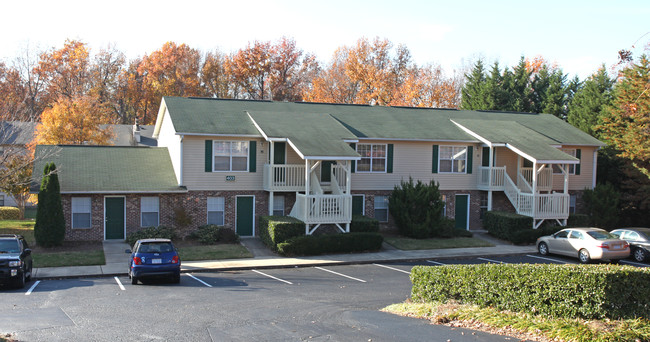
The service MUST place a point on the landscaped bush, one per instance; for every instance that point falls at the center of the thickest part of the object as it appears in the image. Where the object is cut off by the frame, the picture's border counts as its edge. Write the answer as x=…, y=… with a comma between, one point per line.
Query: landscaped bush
x=449, y=229
x=332, y=243
x=503, y=225
x=566, y=291
x=578, y=220
x=417, y=209
x=276, y=229
x=9, y=213
x=362, y=223
x=227, y=235
x=530, y=235
x=601, y=204
x=211, y=233
x=150, y=233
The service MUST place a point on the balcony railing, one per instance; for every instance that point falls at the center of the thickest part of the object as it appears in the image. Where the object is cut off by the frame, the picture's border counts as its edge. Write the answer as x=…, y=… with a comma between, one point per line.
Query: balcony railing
x=537, y=206
x=544, y=178
x=497, y=178
x=279, y=177
x=316, y=209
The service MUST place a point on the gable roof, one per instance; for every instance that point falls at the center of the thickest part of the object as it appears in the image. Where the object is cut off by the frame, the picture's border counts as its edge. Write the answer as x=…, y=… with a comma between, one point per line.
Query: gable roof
x=92, y=169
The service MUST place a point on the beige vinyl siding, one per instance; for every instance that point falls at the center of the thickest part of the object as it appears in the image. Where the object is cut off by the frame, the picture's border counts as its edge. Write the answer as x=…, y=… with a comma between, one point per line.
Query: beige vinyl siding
x=413, y=159
x=195, y=177
x=585, y=179
x=293, y=157
x=509, y=159
x=169, y=139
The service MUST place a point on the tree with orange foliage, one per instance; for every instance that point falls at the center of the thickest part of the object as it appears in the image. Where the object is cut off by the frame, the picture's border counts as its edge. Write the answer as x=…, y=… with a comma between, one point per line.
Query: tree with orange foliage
x=250, y=69
x=76, y=122
x=66, y=70
x=214, y=77
x=290, y=73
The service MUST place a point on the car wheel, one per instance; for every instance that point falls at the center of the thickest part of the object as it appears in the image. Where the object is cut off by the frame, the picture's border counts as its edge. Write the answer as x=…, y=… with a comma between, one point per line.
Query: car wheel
x=542, y=248
x=176, y=279
x=20, y=282
x=29, y=277
x=639, y=255
x=584, y=257
x=134, y=280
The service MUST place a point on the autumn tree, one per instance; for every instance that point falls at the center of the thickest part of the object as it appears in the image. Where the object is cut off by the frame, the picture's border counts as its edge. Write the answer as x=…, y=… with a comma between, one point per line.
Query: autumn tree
x=291, y=73
x=75, y=122
x=626, y=126
x=66, y=71
x=215, y=79
x=591, y=101
x=15, y=178
x=250, y=69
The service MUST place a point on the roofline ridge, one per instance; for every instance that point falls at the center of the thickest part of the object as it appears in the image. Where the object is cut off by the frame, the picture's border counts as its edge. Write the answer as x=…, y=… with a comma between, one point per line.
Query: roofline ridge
x=503, y=111
x=225, y=99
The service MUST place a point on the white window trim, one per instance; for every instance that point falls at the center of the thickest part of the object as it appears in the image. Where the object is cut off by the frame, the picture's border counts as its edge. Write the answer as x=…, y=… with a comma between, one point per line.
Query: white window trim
x=208, y=211
x=275, y=200
x=371, y=159
x=214, y=145
x=142, y=211
x=452, y=160
x=72, y=212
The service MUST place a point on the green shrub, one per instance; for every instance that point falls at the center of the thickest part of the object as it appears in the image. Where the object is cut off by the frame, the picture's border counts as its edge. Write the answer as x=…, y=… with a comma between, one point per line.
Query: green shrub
x=206, y=234
x=578, y=220
x=333, y=243
x=9, y=213
x=565, y=291
x=502, y=224
x=417, y=209
x=276, y=229
x=227, y=235
x=150, y=233
x=49, y=228
x=362, y=223
x=602, y=205
x=528, y=236
x=449, y=229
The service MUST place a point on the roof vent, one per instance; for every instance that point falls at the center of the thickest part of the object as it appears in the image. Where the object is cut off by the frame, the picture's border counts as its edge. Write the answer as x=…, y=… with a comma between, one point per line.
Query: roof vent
x=136, y=131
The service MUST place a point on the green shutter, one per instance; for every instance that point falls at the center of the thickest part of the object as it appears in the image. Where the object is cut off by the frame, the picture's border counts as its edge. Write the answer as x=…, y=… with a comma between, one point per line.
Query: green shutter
x=434, y=160
x=485, y=161
x=389, y=159
x=578, y=155
x=252, y=156
x=208, y=156
x=470, y=156
x=354, y=163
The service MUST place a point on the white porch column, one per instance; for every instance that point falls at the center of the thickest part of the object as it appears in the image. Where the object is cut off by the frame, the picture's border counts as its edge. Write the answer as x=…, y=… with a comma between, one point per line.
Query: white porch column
x=490, y=169
x=565, y=173
x=271, y=177
x=306, y=202
x=534, y=206
x=348, y=190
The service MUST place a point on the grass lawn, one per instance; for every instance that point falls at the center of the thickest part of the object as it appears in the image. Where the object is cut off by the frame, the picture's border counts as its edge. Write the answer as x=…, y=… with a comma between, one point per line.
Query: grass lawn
x=69, y=258
x=213, y=252
x=524, y=325
x=20, y=227
x=408, y=244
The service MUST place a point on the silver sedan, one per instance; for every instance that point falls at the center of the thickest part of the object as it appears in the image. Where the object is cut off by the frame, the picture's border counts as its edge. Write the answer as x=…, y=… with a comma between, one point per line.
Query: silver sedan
x=585, y=243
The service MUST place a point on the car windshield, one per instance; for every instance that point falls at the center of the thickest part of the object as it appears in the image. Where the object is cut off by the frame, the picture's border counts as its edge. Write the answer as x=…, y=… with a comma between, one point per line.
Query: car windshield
x=9, y=246
x=598, y=235
x=155, y=247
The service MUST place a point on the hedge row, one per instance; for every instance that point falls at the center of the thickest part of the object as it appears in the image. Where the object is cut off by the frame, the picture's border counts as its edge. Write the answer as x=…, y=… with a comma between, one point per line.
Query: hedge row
x=503, y=224
x=150, y=233
x=362, y=223
x=9, y=213
x=565, y=291
x=211, y=233
x=334, y=243
x=276, y=229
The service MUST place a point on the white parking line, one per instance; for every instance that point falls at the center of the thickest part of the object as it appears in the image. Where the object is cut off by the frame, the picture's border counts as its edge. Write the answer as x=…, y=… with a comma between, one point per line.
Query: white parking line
x=436, y=263
x=199, y=280
x=547, y=259
x=494, y=261
x=272, y=277
x=32, y=288
x=634, y=263
x=392, y=268
x=119, y=283
x=342, y=275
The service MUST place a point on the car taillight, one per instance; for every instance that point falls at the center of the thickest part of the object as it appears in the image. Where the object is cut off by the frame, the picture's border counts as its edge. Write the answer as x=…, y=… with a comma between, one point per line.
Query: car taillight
x=137, y=261
x=602, y=245
x=626, y=245
x=175, y=259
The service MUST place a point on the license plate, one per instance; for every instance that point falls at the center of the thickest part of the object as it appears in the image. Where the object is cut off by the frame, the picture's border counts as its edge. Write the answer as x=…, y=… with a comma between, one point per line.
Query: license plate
x=616, y=246
x=156, y=261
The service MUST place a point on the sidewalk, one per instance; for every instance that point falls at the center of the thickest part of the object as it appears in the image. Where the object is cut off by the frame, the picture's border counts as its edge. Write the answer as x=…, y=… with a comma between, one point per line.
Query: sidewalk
x=117, y=259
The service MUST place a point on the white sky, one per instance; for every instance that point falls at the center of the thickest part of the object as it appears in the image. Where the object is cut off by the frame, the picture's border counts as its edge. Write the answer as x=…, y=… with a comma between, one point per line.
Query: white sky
x=578, y=35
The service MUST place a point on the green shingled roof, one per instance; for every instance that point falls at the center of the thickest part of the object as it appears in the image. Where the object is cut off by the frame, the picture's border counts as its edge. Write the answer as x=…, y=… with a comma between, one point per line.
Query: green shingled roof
x=313, y=134
x=108, y=169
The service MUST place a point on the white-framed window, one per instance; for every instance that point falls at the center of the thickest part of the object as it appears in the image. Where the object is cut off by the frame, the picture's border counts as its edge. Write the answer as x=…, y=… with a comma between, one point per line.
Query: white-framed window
x=452, y=159
x=381, y=208
x=572, y=204
x=216, y=210
x=230, y=155
x=572, y=167
x=149, y=211
x=373, y=158
x=483, y=205
x=81, y=212
x=278, y=205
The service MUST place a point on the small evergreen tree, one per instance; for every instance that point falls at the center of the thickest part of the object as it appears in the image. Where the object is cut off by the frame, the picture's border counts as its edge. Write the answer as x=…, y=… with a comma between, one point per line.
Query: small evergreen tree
x=602, y=205
x=473, y=96
x=417, y=209
x=49, y=228
x=591, y=101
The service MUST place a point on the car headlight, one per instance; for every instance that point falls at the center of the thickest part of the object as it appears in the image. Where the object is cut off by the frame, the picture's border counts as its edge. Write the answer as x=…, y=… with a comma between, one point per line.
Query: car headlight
x=15, y=263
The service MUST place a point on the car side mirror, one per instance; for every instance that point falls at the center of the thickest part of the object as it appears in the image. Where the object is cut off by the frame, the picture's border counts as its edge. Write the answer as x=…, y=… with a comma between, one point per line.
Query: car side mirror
x=28, y=251
x=127, y=251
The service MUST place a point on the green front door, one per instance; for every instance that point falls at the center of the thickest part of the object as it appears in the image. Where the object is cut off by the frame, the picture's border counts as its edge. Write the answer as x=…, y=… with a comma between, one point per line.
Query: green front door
x=245, y=216
x=279, y=153
x=357, y=204
x=462, y=211
x=114, y=218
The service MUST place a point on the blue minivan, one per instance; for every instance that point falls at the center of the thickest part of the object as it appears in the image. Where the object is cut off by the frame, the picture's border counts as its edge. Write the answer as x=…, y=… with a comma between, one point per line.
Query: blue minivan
x=154, y=258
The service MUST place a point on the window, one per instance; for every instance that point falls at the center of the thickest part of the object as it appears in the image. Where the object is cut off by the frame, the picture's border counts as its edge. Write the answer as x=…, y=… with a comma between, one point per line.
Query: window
x=631, y=236
x=452, y=159
x=484, y=204
x=278, y=205
x=572, y=204
x=80, y=212
x=149, y=211
x=373, y=158
x=444, y=202
x=572, y=167
x=381, y=208
x=576, y=235
x=230, y=156
x=216, y=209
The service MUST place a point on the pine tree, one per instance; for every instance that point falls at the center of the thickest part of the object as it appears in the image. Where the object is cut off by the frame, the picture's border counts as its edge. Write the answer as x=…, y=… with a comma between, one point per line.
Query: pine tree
x=497, y=97
x=590, y=101
x=473, y=96
x=519, y=90
x=49, y=229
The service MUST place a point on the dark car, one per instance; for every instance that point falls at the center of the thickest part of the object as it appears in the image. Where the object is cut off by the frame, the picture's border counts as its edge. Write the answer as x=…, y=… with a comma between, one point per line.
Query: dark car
x=639, y=240
x=15, y=260
x=154, y=258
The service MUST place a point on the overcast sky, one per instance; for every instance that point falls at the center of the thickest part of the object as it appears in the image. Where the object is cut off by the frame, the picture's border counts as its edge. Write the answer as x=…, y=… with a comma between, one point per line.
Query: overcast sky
x=577, y=35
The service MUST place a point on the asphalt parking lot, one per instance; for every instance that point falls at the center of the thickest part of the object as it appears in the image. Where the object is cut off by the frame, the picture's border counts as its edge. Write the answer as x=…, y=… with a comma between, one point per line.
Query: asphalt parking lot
x=337, y=303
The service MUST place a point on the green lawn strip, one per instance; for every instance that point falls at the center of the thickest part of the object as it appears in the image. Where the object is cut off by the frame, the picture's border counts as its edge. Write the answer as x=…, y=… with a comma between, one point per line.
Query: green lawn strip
x=72, y=258
x=562, y=329
x=404, y=243
x=213, y=252
x=20, y=227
